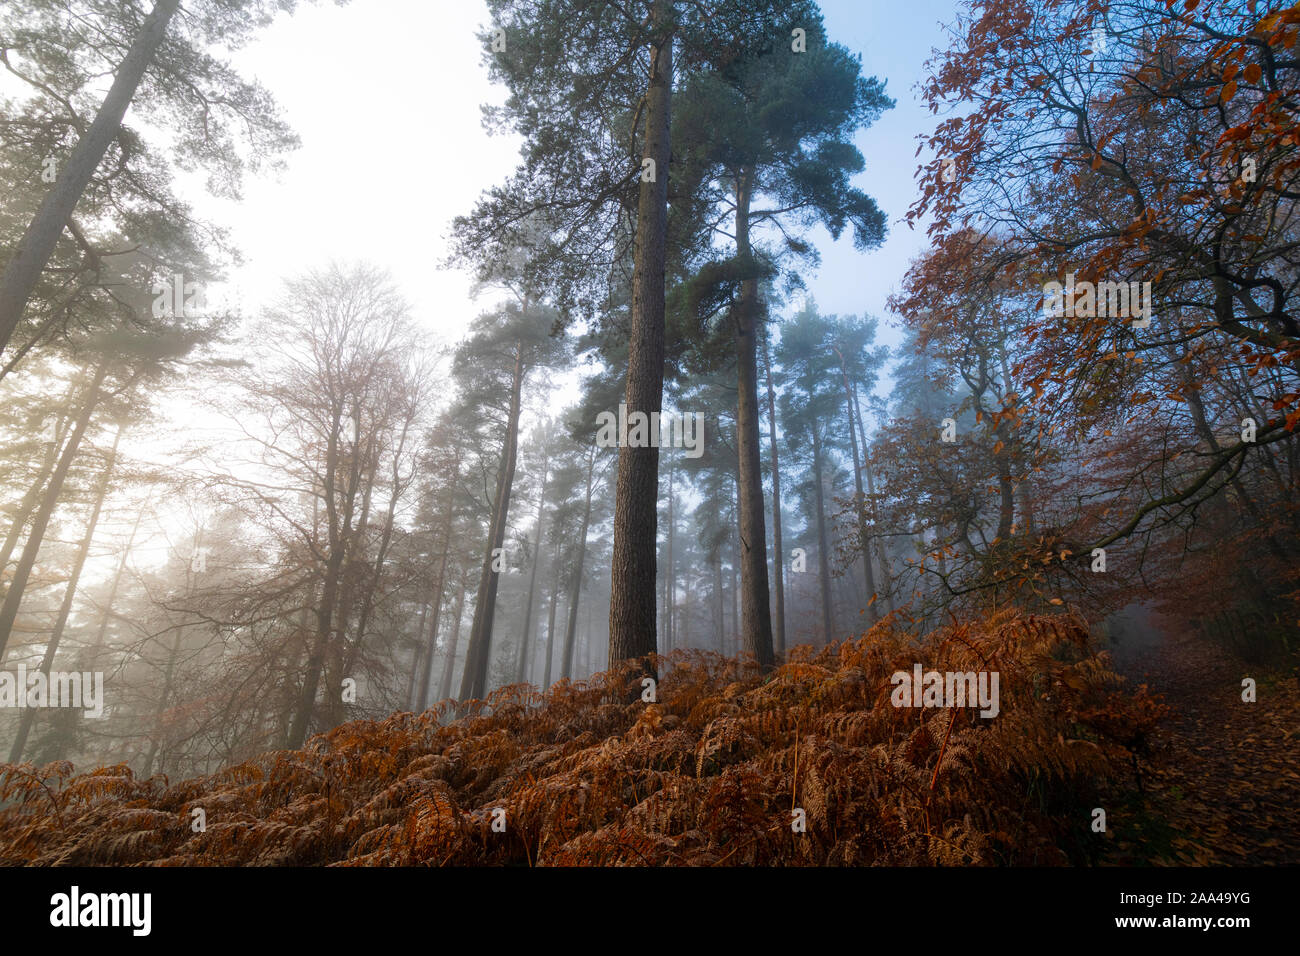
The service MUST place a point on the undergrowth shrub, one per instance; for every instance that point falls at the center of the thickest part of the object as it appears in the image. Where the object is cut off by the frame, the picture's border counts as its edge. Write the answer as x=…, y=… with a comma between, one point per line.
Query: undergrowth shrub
x=707, y=775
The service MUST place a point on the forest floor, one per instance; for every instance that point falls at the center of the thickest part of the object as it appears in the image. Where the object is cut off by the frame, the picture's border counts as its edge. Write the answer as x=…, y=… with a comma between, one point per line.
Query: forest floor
x=1221, y=786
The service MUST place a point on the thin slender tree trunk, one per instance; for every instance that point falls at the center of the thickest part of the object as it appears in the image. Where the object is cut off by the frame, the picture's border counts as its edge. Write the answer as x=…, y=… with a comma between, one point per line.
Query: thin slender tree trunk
x=778, y=558
x=473, y=684
x=823, y=546
x=886, y=576
x=720, y=614
x=381, y=555
x=636, y=499
x=444, y=689
x=735, y=638
x=575, y=585
x=316, y=656
x=1023, y=496
x=340, y=532
x=550, y=617
x=684, y=636
x=670, y=588
x=23, y=270
x=521, y=666
x=426, y=677
x=418, y=663
x=28, y=504
x=860, y=500
x=52, y=645
x=1197, y=407
x=587, y=653
x=169, y=674
x=17, y=584
x=113, y=588
x=887, y=582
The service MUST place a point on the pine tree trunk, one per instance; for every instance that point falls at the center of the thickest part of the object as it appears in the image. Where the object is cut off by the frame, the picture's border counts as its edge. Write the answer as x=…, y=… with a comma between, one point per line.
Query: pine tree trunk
x=860, y=501
x=521, y=666
x=473, y=685
x=778, y=559
x=23, y=270
x=18, y=583
x=734, y=638
x=719, y=605
x=52, y=645
x=756, y=623
x=670, y=584
x=823, y=546
x=426, y=676
x=28, y=504
x=550, y=617
x=587, y=655
x=419, y=664
x=887, y=579
x=636, y=499
x=886, y=576
x=575, y=584
x=444, y=689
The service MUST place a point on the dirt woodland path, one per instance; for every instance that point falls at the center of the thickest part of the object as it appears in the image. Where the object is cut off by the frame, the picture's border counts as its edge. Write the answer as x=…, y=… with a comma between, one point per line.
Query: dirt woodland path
x=1222, y=784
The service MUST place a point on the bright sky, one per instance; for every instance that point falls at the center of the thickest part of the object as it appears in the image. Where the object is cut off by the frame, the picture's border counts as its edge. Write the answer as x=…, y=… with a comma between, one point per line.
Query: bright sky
x=385, y=95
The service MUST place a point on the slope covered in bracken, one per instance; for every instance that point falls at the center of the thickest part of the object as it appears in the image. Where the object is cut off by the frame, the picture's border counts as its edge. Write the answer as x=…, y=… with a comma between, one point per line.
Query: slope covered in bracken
x=708, y=775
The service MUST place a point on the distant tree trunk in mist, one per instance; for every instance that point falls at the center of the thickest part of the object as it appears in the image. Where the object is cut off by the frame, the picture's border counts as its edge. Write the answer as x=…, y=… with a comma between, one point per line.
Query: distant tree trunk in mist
x=423, y=673
x=887, y=579
x=1248, y=504
x=155, y=742
x=420, y=664
x=439, y=593
x=670, y=588
x=778, y=560
x=860, y=501
x=444, y=689
x=636, y=497
x=18, y=583
x=1022, y=486
x=107, y=613
x=525, y=631
x=588, y=652
x=28, y=504
x=734, y=638
x=473, y=684
x=823, y=545
x=24, y=268
x=169, y=674
x=70, y=592
x=886, y=576
x=719, y=604
x=550, y=617
x=575, y=583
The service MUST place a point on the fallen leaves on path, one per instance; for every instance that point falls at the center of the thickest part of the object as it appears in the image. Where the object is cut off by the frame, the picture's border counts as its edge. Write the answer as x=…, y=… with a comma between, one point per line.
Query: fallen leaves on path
x=1223, y=788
